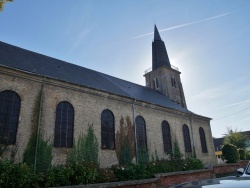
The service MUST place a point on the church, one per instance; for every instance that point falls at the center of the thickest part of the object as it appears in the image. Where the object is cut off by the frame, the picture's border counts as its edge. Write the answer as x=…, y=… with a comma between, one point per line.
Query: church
x=61, y=99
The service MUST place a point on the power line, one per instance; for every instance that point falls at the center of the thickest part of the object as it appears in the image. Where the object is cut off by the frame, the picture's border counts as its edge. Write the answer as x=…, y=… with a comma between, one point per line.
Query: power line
x=231, y=114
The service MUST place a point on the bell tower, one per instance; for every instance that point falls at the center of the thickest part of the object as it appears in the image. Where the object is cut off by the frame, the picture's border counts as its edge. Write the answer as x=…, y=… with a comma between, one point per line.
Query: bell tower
x=164, y=77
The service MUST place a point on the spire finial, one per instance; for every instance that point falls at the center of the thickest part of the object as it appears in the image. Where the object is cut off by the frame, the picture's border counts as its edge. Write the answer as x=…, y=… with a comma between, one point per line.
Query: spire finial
x=156, y=34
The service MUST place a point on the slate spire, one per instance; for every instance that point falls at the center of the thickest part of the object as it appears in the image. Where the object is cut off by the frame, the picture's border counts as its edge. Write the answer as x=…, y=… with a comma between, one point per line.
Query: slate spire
x=156, y=34
x=159, y=52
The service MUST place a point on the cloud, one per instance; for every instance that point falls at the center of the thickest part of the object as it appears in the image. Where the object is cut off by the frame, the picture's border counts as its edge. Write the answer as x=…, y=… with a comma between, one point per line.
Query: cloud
x=186, y=24
x=208, y=94
x=234, y=104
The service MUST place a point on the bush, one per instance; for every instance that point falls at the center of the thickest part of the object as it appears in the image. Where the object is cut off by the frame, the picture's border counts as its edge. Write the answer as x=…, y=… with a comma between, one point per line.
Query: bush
x=84, y=173
x=242, y=153
x=142, y=155
x=248, y=154
x=18, y=175
x=58, y=176
x=193, y=164
x=126, y=155
x=132, y=172
x=86, y=149
x=44, y=153
x=230, y=153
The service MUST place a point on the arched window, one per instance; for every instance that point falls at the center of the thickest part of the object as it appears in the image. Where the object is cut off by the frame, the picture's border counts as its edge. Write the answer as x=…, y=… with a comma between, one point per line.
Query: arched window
x=203, y=140
x=10, y=103
x=107, y=130
x=166, y=135
x=186, y=137
x=64, y=125
x=141, y=137
x=155, y=83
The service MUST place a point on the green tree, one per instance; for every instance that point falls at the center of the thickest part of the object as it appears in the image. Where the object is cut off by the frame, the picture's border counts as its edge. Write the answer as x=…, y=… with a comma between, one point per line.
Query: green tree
x=2, y=2
x=42, y=161
x=230, y=153
x=86, y=149
x=235, y=138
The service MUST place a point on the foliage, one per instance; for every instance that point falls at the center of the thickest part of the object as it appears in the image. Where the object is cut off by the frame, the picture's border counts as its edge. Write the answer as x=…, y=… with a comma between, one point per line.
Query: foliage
x=58, y=176
x=242, y=153
x=142, y=155
x=125, y=149
x=18, y=175
x=176, y=153
x=132, y=172
x=2, y=2
x=230, y=153
x=84, y=173
x=193, y=164
x=44, y=153
x=236, y=138
x=125, y=152
x=86, y=149
x=22, y=175
x=248, y=154
x=106, y=175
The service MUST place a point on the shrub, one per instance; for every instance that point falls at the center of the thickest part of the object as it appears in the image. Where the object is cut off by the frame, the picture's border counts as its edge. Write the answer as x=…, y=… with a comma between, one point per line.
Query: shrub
x=86, y=149
x=132, y=172
x=106, y=175
x=193, y=164
x=58, y=176
x=18, y=175
x=142, y=155
x=125, y=152
x=248, y=154
x=42, y=160
x=230, y=153
x=242, y=153
x=84, y=173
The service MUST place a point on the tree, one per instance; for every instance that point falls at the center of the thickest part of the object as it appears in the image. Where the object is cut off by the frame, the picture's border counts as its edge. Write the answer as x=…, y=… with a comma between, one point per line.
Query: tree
x=2, y=2
x=230, y=153
x=234, y=137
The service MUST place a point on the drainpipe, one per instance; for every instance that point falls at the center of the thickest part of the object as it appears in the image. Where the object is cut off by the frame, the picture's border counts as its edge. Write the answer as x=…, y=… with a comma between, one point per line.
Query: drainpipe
x=134, y=114
x=190, y=119
x=38, y=125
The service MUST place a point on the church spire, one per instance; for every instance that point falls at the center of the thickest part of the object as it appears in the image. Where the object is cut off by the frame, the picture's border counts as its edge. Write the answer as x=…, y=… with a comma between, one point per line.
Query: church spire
x=159, y=52
x=156, y=34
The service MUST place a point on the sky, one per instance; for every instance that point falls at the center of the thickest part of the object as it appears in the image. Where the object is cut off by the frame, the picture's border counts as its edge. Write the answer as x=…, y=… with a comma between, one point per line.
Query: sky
x=209, y=41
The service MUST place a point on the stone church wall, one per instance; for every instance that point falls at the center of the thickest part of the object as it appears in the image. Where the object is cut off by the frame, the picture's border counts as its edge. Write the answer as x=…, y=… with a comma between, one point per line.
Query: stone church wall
x=88, y=105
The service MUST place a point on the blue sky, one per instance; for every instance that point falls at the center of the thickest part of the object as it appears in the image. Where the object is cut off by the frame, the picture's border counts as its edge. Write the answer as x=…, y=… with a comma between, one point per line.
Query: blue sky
x=209, y=41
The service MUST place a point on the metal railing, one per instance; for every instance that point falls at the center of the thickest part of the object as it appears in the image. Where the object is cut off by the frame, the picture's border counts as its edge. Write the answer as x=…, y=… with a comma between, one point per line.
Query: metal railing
x=150, y=69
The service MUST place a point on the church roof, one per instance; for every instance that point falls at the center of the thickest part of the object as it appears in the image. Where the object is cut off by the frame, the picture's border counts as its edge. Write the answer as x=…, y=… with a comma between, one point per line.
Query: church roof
x=35, y=63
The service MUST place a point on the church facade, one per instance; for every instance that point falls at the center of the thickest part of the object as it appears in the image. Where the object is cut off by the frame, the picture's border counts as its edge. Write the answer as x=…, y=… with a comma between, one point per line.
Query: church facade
x=61, y=99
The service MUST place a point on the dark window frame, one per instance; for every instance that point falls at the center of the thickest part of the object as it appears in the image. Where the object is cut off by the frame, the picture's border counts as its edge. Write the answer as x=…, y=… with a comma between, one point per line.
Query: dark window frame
x=186, y=138
x=141, y=132
x=203, y=140
x=166, y=136
x=10, y=105
x=107, y=130
x=64, y=125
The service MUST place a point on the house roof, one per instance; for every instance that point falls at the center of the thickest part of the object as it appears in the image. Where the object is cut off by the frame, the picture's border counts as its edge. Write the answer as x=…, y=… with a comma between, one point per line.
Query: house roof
x=218, y=142
x=35, y=63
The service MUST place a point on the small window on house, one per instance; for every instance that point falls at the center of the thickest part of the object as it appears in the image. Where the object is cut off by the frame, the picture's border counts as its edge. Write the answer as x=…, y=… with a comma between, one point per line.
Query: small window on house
x=64, y=125
x=166, y=137
x=141, y=137
x=107, y=130
x=203, y=140
x=173, y=82
x=186, y=137
x=10, y=103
